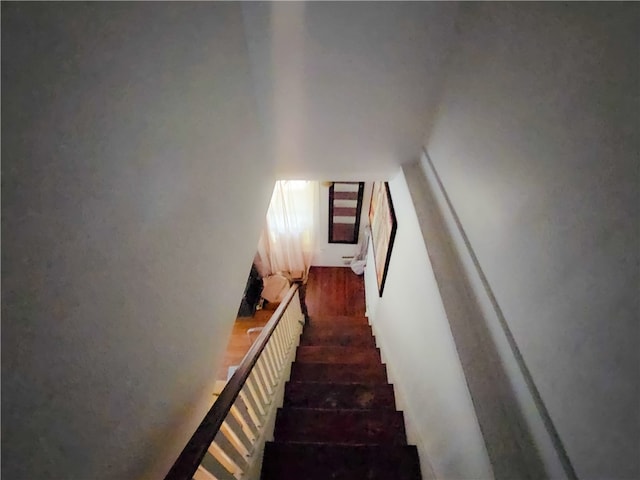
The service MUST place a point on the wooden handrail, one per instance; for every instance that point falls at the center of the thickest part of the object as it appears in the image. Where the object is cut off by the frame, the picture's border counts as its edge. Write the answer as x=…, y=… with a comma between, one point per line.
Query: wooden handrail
x=195, y=450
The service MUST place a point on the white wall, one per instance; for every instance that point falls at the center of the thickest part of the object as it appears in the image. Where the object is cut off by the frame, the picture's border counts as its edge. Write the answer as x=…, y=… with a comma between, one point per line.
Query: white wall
x=133, y=192
x=415, y=339
x=332, y=254
x=537, y=145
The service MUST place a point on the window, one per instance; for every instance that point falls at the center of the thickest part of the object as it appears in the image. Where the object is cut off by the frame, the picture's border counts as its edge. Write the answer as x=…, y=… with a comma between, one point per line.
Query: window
x=292, y=208
x=345, y=207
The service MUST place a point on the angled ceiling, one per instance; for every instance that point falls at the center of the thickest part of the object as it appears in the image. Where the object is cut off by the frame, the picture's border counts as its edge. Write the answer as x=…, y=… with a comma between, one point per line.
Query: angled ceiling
x=346, y=90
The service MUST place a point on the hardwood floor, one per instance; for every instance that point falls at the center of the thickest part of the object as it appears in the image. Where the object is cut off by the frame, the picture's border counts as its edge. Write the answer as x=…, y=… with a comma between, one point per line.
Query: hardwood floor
x=335, y=291
x=330, y=291
x=239, y=342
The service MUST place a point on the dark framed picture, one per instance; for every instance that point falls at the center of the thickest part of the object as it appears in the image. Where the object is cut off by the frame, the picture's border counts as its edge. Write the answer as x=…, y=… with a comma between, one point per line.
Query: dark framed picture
x=382, y=219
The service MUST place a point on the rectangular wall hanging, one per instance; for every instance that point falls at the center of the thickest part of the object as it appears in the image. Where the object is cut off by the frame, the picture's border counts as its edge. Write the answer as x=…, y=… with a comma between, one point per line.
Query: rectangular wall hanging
x=382, y=219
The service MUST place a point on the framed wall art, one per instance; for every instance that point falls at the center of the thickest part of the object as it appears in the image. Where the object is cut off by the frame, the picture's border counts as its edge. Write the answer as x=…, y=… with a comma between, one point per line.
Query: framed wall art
x=382, y=219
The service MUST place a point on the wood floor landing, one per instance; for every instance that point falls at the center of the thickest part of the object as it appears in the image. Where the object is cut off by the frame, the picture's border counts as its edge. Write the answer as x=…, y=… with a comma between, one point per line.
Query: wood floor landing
x=330, y=291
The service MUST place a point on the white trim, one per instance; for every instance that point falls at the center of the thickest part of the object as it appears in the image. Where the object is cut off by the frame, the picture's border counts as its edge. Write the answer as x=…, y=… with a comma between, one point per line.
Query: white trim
x=345, y=203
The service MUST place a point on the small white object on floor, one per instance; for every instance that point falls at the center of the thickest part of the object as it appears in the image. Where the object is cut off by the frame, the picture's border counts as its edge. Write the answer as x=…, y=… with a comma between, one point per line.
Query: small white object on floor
x=231, y=371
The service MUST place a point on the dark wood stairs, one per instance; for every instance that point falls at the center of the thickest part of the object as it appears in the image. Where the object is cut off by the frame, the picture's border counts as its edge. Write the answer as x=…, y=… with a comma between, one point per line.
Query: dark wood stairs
x=339, y=419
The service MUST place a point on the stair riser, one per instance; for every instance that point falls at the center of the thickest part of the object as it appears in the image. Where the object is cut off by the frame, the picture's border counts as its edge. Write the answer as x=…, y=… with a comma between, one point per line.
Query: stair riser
x=337, y=320
x=333, y=354
x=325, y=328
x=336, y=396
x=287, y=461
x=338, y=420
x=356, y=427
x=327, y=373
x=343, y=339
x=340, y=341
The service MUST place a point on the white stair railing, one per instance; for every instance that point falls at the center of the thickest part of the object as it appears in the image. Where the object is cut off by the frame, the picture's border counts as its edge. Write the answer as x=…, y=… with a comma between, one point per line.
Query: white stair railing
x=229, y=442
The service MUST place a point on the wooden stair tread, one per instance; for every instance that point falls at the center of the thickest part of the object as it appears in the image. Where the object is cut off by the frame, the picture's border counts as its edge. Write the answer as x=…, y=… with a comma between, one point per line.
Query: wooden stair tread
x=300, y=461
x=319, y=328
x=359, y=427
x=347, y=335
x=338, y=320
x=339, y=339
x=338, y=373
x=337, y=354
x=332, y=395
x=338, y=419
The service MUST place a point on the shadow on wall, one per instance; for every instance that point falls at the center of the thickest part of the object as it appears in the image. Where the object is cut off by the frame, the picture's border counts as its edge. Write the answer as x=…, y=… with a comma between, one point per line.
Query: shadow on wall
x=510, y=443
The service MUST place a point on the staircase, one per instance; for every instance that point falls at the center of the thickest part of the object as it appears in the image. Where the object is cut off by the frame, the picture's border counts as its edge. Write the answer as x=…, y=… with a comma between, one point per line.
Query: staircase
x=339, y=419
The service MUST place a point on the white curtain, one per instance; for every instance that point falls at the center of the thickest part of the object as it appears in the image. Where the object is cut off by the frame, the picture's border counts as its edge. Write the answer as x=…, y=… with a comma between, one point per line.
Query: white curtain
x=288, y=240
